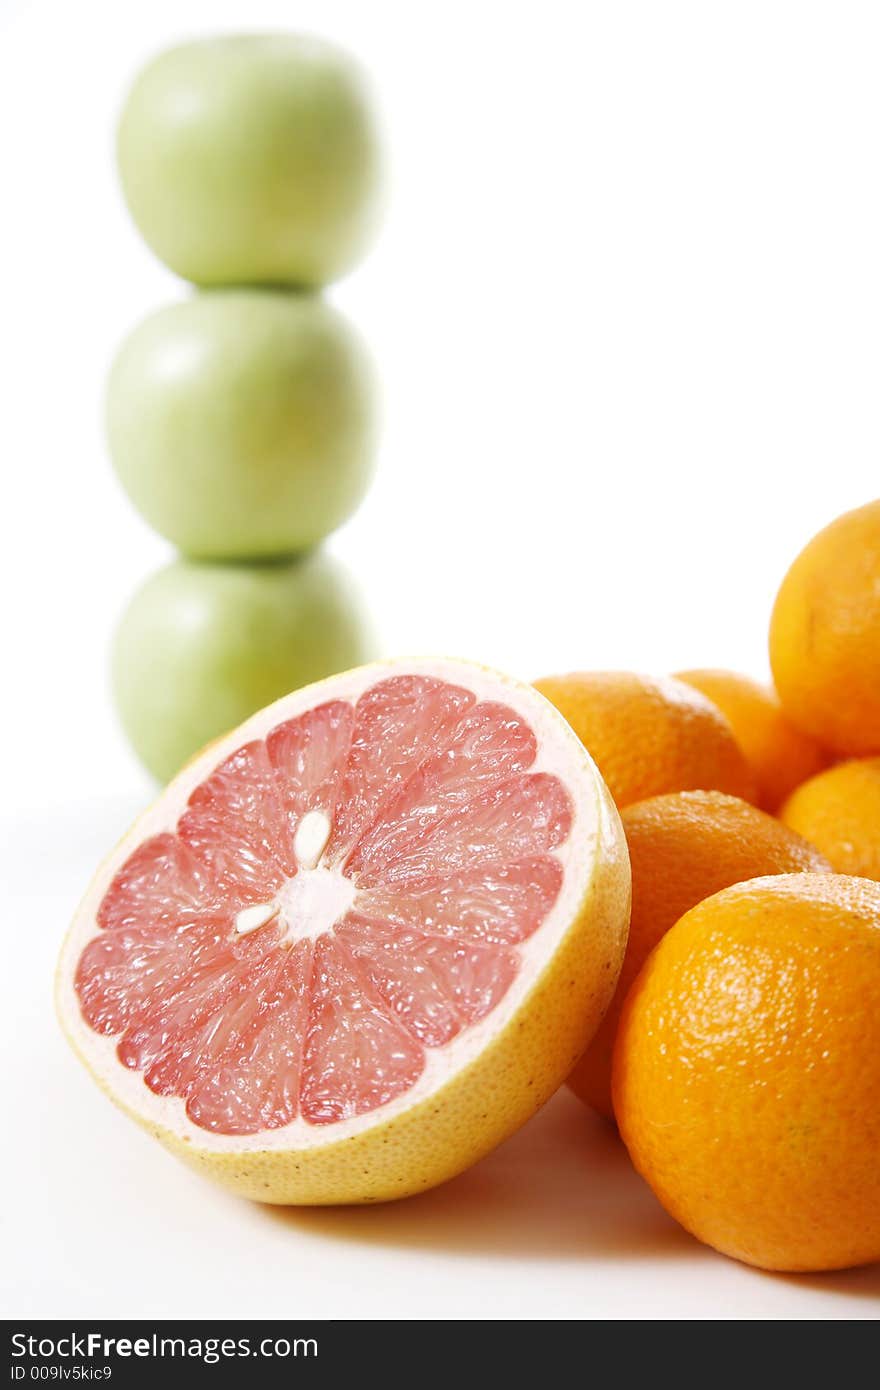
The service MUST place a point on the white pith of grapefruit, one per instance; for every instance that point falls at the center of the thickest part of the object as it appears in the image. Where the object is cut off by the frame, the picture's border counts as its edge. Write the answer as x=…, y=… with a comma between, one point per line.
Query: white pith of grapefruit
x=359, y=940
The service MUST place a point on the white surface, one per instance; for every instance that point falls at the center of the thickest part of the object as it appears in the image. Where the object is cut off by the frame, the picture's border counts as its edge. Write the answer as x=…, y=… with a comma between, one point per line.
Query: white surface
x=625, y=310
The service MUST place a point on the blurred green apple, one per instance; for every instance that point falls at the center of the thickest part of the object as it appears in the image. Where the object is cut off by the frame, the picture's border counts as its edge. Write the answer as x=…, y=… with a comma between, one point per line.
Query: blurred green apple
x=251, y=159
x=203, y=646
x=242, y=422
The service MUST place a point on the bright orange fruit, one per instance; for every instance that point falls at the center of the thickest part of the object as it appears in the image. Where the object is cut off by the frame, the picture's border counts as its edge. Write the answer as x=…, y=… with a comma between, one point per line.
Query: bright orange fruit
x=839, y=810
x=684, y=847
x=650, y=735
x=747, y=1071
x=779, y=754
x=825, y=635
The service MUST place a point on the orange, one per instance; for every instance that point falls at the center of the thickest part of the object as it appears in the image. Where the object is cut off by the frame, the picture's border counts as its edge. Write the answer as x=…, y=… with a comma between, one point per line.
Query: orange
x=747, y=1071
x=779, y=754
x=825, y=635
x=649, y=735
x=840, y=812
x=683, y=847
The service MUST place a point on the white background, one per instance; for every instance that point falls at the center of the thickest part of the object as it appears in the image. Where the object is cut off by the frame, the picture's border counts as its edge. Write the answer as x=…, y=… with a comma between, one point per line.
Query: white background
x=625, y=308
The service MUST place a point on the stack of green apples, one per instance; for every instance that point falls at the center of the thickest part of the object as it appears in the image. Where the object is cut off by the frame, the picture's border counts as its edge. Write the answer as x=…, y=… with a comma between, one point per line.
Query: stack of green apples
x=241, y=420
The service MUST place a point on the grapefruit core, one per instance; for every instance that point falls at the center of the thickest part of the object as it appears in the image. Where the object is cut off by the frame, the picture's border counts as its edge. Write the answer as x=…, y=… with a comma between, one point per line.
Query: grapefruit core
x=359, y=940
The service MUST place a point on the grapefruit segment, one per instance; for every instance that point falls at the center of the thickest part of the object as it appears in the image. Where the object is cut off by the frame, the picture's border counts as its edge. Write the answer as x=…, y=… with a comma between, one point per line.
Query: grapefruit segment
x=487, y=745
x=398, y=723
x=498, y=904
x=435, y=986
x=235, y=825
x=358, y=1055
x=526, y=815
x=161, y=884
x=329, y=918
x=309, y=753
x=250, y=1076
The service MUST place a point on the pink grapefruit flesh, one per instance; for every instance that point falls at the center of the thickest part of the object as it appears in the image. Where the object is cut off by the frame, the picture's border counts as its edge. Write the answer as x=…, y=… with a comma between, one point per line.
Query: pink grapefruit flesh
x=347, y=895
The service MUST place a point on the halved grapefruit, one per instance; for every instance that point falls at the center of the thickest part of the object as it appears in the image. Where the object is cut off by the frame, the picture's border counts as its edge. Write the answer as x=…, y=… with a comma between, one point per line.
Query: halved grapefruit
x=359, y=940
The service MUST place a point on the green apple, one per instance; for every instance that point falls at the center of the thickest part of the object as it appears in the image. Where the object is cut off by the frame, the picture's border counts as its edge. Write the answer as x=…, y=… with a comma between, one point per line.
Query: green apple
x=242, y=422
x=203, y=646
x=251, y=160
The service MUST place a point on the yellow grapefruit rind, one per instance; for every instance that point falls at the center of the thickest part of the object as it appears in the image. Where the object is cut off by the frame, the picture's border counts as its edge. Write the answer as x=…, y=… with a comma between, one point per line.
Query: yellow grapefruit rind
x=485, y=1100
